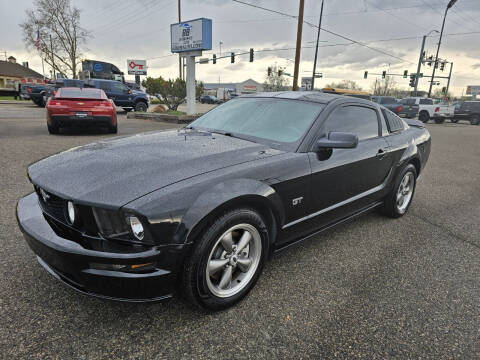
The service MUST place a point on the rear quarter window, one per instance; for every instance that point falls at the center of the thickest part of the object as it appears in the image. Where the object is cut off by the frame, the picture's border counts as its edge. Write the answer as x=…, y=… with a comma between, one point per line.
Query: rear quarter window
x=426, y=102
x=394, y=122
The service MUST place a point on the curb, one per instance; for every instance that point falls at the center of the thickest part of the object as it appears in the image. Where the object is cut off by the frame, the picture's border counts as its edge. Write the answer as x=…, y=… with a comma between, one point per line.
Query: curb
x=174, y=119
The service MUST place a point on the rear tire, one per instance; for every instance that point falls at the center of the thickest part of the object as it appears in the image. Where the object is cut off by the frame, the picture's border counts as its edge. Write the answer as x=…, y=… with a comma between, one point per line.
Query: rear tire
x=453, y=120
x=475, y=120
x=53, y=129
x=398, y=201
x=423, y=116
x=113, y=129
x=141, y=106
x=439, y=120
x=226, y=260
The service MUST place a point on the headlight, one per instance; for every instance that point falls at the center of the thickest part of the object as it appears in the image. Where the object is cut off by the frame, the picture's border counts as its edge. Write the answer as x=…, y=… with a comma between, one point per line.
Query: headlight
x=137, y=227
x=71, y=212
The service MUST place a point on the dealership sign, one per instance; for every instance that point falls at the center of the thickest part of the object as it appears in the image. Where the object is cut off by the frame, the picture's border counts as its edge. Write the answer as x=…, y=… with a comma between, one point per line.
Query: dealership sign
x=193, y=35
x=306, y=83
x=473, y=89
x=137, y=67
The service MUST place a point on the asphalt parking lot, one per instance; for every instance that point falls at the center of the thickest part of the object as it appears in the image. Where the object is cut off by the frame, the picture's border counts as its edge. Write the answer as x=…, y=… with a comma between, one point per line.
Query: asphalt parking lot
x=373, y=288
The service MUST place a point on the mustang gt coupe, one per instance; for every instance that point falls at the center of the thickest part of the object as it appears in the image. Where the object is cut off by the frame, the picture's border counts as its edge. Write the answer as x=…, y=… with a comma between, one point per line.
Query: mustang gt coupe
x=197, y=212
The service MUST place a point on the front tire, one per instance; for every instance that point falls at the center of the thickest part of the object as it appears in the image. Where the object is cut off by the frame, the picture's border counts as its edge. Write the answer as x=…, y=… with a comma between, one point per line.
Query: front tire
x=141, y=106
x=226, y=260
x=400, y=197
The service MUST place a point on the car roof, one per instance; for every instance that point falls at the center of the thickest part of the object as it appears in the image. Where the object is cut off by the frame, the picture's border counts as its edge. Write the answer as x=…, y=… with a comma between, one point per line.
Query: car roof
x=314, y=96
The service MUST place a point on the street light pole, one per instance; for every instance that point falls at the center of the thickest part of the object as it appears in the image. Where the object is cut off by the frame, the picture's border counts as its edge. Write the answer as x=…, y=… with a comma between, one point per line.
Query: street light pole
x=449, y=76
x=299, y=45
x=450, y=4
x=316, y=47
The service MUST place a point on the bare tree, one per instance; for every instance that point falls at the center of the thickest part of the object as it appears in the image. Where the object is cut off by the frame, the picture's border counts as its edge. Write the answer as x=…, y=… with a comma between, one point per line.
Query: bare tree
x=385, y=87
x=275, y=80
x=58, y=24
x=345, y=84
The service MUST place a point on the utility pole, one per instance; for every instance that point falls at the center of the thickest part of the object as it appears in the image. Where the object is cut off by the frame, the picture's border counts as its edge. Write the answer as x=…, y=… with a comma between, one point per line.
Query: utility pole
x=316, y=47
x=180, y=65
x=449, y=76
x=450, y=4
x=419, y=65
x=299, y=45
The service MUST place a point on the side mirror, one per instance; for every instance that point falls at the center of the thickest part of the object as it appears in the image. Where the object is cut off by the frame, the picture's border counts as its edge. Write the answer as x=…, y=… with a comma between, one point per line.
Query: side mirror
x=338, y=140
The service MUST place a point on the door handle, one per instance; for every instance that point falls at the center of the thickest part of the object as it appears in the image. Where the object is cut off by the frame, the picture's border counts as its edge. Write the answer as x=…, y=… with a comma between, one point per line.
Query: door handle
x=382, y=153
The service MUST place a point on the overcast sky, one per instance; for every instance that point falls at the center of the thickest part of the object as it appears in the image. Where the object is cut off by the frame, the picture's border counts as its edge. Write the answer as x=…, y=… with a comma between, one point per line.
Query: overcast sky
x=139, y=29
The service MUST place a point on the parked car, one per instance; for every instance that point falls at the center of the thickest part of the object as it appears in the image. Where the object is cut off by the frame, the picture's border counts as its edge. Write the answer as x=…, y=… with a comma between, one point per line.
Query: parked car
x=54, y=85
x=389, y=102
x=36, y=94
x=209, y=99
x=121, y=94
x=409, y=108
x=468, y=110
x=80, y=107
x=428, y=110
x=198, y=211
x=24, y=95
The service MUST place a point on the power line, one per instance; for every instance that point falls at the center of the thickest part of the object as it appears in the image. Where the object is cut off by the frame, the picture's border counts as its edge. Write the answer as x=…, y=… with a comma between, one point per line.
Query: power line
x=328, y=31
x=398, y=17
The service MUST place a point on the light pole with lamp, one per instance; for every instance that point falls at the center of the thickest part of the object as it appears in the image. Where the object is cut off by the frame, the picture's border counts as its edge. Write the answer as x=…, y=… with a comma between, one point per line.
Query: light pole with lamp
x=450, y=4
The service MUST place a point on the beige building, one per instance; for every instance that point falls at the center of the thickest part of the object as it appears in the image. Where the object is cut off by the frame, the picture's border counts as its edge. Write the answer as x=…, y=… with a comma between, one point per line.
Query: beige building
x=12, y=74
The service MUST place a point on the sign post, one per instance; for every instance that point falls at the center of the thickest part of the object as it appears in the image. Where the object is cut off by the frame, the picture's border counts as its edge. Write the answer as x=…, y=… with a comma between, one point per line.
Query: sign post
x=190, y=38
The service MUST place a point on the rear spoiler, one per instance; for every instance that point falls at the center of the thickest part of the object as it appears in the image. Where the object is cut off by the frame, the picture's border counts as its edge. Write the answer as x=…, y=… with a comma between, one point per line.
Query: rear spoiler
x=413, y=122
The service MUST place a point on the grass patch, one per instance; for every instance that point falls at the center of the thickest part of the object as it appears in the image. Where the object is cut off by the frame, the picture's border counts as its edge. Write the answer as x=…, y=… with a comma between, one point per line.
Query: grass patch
x=7, y=98
x=175, y=112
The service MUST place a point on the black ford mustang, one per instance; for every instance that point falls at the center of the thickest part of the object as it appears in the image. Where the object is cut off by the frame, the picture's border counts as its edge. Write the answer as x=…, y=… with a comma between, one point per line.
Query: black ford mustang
x=198, y=211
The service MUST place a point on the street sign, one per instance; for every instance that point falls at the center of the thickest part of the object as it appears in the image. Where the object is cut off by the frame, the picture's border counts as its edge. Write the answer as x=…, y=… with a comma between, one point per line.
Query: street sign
x=203, y=61
x=193, y=35
x=306, y=83
x=473, y=89
x=137, y=67
x=318, y=75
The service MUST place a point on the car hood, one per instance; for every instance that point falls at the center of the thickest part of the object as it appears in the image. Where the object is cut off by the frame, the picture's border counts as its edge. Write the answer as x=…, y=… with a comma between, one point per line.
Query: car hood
x=114, y=172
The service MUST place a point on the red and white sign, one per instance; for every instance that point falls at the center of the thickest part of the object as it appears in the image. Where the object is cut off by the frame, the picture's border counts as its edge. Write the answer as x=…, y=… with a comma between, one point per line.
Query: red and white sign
x=137, y=67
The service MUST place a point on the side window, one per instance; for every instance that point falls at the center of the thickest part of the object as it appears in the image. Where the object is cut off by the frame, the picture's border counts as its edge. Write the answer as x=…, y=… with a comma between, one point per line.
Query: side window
x=426, y=102
x=118, y=88
x=410, y=101
x=105, y=86
x=359, y=120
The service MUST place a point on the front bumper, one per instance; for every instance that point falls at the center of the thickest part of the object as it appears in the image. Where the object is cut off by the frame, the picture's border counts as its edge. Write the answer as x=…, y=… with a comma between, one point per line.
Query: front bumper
x=77, y=266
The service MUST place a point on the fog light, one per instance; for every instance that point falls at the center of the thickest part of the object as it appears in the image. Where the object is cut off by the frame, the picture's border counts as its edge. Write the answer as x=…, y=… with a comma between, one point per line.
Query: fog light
x=137, y=227
x=71, y=212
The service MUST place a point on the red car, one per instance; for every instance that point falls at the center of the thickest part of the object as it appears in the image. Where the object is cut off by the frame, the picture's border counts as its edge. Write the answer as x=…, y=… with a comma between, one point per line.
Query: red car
x=80, y=107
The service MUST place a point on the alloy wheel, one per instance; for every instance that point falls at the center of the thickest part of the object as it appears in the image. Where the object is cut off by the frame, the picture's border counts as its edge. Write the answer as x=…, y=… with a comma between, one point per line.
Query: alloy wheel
x=233, y=261
x=405, y=192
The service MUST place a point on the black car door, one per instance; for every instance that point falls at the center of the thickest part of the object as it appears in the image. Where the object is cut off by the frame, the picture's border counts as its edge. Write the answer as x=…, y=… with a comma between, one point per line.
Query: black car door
x=121, y=94
x=349, y=179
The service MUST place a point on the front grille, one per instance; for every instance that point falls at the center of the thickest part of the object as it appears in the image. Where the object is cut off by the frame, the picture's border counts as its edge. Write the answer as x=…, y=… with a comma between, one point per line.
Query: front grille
x=52, y=205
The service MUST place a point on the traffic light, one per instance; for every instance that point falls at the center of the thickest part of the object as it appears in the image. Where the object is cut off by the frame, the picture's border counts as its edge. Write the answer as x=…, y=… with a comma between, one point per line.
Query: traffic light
x=251, y=55
x=405, y=74
x=444, y=90
x=442, y=65
x=412, y=80
x=269, y=71
x=232, y=57
x=384, y=74
x=365, y=74
x=436, y=64
x=214, y=58
x=280, y=72
x=430, y=58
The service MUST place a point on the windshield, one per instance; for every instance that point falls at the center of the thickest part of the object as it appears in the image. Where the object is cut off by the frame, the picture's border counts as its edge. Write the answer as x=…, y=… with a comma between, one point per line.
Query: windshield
x=278, y=120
